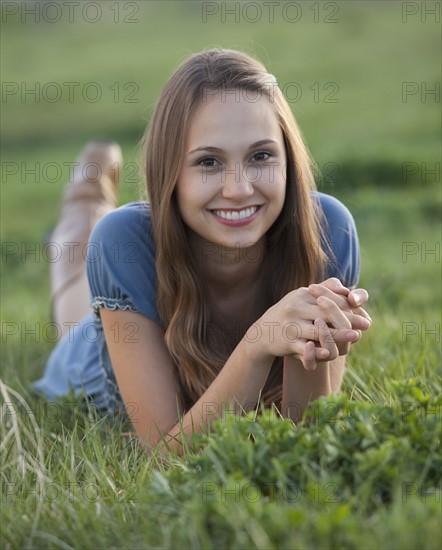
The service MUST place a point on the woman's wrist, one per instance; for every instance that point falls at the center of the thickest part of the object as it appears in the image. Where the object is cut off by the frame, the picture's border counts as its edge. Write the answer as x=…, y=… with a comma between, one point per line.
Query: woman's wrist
x=253, y=344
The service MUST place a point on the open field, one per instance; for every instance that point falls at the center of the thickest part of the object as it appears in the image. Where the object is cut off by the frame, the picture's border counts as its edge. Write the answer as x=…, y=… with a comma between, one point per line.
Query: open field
x=367, y=472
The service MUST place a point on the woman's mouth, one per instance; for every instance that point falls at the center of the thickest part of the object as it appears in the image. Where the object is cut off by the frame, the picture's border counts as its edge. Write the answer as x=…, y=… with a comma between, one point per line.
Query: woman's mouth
x=236, y=217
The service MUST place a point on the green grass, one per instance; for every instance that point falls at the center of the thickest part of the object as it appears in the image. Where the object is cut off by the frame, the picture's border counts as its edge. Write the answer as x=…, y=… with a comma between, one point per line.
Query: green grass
x=366, y=472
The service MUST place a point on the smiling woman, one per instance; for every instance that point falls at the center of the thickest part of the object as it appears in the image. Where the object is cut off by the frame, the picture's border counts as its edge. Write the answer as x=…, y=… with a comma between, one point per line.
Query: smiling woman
x=243, y=189
x=216, y=304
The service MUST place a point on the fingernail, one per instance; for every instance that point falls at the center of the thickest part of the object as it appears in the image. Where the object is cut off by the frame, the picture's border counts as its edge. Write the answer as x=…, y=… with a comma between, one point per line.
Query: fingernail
x=357, y=299
x=353, y=335
x=323, y=353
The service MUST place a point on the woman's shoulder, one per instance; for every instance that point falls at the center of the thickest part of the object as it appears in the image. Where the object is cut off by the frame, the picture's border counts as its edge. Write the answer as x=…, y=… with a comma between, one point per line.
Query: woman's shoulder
x=121, y=260
x=334, y=210
x=130, y=215
x=341, y=241
x=129, y=222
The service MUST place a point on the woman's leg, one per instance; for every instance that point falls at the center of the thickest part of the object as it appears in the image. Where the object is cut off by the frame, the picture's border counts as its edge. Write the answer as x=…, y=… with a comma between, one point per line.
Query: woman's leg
x=89, y=195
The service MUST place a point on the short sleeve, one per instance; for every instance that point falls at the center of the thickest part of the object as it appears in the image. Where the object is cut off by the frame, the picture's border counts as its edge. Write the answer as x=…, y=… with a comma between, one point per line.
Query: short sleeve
x=340, y=231
x=121, y=261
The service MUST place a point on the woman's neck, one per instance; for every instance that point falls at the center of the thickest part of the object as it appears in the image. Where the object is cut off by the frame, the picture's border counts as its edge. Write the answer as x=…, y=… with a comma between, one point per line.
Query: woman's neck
x=235, y=286
x=228, y=271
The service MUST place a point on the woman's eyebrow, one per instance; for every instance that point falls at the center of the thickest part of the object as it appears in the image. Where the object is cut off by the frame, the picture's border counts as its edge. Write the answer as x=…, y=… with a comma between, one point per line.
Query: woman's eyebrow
x=218, y=150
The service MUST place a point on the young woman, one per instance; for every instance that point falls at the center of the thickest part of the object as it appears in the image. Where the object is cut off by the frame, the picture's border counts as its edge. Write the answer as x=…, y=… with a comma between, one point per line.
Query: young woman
x=231, y=287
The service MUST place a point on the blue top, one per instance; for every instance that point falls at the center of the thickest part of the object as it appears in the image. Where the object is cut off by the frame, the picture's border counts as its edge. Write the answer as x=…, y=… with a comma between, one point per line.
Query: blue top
x=121, y=274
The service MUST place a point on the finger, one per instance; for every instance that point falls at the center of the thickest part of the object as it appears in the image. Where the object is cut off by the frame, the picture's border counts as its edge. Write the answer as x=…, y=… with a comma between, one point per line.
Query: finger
x=358, y=322
x=345, y=304
x=309, y=357
x=362, y=313
x=333, y=314
x=358, y=297
x=335, y=285
x=343, y=349
x=334, y=335
x=326, y=338
x=322, y=290
x=305, y=350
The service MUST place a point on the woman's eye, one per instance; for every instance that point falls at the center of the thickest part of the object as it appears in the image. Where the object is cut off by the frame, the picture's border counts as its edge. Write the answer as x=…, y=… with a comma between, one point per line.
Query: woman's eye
x=206, y=162
x=210, y=162
x=262, y=153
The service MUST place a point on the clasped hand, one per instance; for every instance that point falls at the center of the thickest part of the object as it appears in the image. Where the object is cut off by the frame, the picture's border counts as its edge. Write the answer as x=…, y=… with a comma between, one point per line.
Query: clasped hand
x=316, y=323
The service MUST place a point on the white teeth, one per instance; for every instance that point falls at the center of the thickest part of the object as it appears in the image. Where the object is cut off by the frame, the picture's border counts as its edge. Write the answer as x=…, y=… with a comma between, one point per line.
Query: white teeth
x=235, y=215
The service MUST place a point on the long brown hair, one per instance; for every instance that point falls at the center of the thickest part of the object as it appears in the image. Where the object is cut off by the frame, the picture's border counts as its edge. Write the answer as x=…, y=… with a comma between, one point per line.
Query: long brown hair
x=294, y=256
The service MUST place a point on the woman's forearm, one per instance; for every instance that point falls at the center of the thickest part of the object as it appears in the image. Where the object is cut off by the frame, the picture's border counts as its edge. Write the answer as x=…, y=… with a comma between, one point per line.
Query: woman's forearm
x=301, y=387
x=239, y=382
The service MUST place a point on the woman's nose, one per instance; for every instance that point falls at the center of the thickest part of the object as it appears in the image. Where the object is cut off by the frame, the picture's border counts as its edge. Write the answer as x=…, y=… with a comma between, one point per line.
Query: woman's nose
x=236, y=184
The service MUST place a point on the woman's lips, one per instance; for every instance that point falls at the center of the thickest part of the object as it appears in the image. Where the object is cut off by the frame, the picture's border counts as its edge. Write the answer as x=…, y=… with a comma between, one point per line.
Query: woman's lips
x=236, y=217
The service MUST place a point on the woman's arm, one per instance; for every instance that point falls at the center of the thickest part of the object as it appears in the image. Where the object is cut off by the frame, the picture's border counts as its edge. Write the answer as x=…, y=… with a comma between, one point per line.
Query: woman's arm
x=144, y=373
x=301, y=387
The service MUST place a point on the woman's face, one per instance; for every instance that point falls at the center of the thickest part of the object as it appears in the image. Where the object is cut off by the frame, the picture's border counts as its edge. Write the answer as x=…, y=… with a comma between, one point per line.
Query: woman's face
x=231, y=187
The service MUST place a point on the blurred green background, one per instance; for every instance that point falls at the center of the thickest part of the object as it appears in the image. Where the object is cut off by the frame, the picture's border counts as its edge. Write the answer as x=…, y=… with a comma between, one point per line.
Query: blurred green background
x=358, y=77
